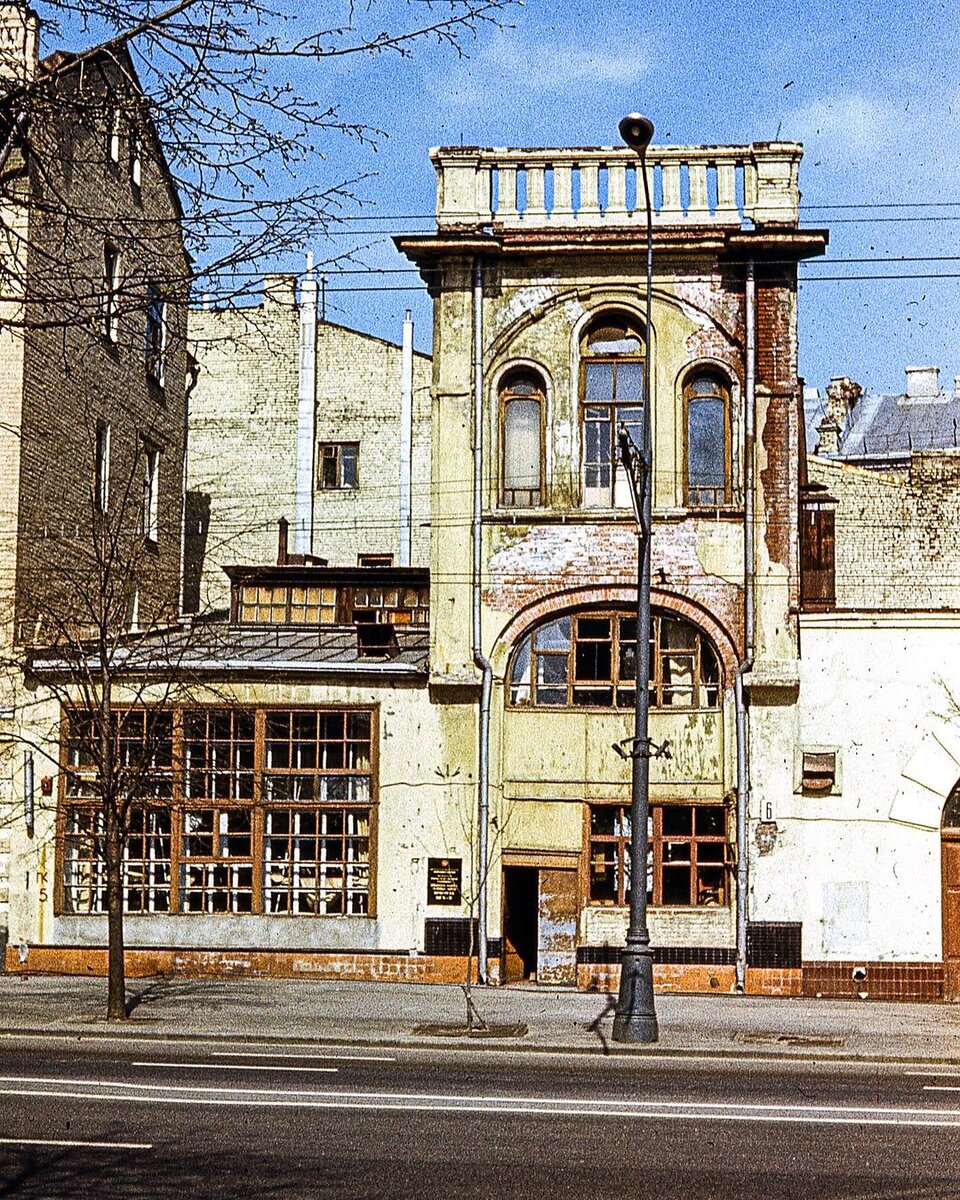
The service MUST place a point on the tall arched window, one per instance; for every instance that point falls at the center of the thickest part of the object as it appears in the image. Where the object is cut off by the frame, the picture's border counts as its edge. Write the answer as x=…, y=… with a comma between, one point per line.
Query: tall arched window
x=611, y=391
x=521, y=438
x=589, y=660
x=706, y=398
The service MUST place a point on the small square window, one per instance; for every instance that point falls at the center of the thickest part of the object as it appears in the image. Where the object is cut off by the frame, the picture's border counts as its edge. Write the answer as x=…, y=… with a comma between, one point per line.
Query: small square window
x=337, y=466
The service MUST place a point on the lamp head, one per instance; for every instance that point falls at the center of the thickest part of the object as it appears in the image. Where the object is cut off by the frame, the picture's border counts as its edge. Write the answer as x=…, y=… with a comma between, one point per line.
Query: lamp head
x=636, y=130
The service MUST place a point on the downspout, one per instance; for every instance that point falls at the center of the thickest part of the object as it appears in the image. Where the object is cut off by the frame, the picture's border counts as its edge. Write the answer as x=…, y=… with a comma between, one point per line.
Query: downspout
x=306, y=414
x=406, y=442
x=480, y=661
x=749, y=619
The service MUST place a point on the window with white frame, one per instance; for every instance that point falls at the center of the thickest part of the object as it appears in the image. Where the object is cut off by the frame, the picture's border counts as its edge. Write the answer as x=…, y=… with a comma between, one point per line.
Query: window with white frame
x=101, y=480
x=111, y=292
x=136, y=159
x=114, y=119
x=151, y=493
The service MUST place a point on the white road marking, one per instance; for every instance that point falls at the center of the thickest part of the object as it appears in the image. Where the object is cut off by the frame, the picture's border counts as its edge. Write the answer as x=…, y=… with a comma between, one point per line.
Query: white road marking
x=943, y=1087
x=672, y=1110
x=191, y=1066
x=934, y=1074
x=933, y=1119
x=287, y=1054
x=87, y=1145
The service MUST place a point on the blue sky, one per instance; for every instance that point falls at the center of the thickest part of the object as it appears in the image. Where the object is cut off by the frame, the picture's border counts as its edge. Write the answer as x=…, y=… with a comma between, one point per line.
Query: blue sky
x=872, y=90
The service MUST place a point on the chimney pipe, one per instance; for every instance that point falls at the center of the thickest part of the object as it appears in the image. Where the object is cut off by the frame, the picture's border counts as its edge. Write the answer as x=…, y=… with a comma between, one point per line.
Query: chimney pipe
x=283, y=535
x=922, y=382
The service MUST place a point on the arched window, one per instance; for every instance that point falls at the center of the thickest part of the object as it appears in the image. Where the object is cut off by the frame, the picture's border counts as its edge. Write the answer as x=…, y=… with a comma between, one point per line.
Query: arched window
x=521, y=439
x=706, y=399
x=589, y=660
x=611, y=391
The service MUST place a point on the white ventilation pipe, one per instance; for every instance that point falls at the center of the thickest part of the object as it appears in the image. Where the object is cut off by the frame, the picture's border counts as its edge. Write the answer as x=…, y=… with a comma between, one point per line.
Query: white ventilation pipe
x=306, y=414
x=406, y=442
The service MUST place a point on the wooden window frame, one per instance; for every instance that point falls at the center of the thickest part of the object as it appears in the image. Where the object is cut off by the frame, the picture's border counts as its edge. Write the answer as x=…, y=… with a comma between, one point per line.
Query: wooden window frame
x=337, y=457
x=614, y=405
x=699, y=891
x=182, y=800
x=724, y=392
x=706, y=693
x=507, y=395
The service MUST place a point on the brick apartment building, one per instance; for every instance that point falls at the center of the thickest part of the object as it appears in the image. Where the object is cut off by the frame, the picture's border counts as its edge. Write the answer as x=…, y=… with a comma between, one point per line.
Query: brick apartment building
x=92, y=341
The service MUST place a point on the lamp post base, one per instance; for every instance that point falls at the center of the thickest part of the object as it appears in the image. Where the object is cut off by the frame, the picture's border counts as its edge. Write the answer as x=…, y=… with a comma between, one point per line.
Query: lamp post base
x=635, y=1017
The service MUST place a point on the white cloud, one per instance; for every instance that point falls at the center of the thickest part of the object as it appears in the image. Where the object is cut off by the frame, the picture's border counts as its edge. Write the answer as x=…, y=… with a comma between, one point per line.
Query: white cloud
x=509, y=66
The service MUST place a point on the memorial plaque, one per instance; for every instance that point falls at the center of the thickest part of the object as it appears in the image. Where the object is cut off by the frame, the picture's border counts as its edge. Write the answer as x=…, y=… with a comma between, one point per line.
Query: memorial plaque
x=443, y=881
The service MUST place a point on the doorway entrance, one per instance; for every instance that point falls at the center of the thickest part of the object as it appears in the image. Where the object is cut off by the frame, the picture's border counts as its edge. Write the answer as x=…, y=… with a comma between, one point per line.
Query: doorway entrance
x=950, y=894
x=521, y=899
x=540, y=910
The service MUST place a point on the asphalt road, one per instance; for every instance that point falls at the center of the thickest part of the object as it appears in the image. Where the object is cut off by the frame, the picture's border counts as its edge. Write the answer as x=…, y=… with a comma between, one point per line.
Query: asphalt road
x=146, y=1119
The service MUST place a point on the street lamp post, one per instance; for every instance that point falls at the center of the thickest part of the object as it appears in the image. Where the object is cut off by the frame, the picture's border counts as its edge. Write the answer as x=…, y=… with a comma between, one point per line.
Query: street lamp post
x=636, y=1017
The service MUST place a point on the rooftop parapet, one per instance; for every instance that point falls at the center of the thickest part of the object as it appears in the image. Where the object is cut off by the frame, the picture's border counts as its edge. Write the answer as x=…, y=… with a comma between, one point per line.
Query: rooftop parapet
x=730, y=186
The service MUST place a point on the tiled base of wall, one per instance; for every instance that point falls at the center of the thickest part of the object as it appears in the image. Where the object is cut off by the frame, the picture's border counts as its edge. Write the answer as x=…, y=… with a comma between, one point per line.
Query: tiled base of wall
x=874, y=980
x=675, y=977
x=274, y=964
x=853, y=980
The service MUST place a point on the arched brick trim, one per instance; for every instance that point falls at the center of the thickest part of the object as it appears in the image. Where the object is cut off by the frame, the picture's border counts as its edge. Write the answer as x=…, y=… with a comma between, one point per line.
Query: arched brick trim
x=618, y=596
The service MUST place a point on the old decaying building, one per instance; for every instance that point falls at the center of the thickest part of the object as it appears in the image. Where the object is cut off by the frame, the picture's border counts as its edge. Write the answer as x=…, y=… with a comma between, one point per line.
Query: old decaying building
x=383, y=766
x=298, y=418
x=93, y=346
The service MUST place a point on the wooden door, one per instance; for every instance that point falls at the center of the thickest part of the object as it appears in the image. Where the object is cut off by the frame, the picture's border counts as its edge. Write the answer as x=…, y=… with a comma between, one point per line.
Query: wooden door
x=950, y=884
x=557, y=933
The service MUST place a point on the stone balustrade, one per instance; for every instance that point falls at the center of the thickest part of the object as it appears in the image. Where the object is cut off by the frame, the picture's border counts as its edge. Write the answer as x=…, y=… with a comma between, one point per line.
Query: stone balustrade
x=602, y=186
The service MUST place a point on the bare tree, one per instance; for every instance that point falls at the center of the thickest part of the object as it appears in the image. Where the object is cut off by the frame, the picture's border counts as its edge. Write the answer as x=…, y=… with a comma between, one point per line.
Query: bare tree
x=238, y=97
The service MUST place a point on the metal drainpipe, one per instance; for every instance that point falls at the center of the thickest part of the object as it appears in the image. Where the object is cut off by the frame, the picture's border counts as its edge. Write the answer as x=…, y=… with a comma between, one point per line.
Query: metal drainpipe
x=306, y=414
x=406, y=441
x=483, y=749
x=749, y=621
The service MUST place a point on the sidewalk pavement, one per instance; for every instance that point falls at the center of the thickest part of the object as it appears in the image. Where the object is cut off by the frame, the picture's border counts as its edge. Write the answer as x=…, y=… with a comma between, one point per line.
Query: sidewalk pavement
x=385, y=1014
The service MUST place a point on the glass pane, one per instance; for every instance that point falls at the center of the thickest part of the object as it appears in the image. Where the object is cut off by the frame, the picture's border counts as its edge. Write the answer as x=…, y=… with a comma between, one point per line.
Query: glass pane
x=552, y=697
x=677, y=821
x=593, y=661
x=630, y=381
x=552, y=668
x=521, y=450
x=603, y=872
x=598, y=381
x=676, y=885
x=710, y=820
x=710, y=852
x=711, y=886
x=593, y=697
x=706, y=448
x=555, y=636
x=593, y=627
